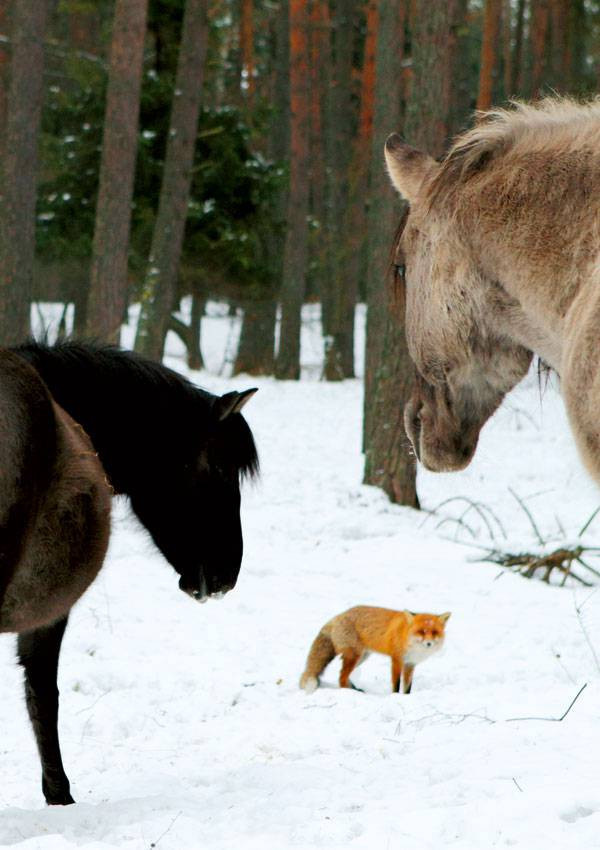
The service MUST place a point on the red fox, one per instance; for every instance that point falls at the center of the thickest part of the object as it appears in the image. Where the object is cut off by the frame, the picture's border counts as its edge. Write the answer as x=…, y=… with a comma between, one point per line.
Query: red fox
x=406, y=637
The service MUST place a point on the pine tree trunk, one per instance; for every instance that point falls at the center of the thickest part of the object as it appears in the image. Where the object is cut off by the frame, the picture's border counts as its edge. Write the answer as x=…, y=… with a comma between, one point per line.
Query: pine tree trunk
x=159, y=289
x=538, y=36
x=4, y=59
x=560, y=21
x=491, y=31
x=108, y=284
x=18, y=177
x=460, y=92
x=319, y=37
x=190, y=334
x=507, y=48
x=195, y=359
x=384, y=210
x=247, y=48
x=339, y=290
x=255, y=354
x=388, y=463
x=517, y=62
x=287, y=365
x=256, y=347
x=576, y=53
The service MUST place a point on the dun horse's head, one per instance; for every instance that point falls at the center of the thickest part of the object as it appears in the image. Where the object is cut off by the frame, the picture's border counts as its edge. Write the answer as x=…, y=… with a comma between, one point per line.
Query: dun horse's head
x=465, y=364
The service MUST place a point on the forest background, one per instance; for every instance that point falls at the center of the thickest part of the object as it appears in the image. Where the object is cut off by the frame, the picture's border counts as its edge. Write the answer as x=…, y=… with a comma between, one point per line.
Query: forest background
x=232, y=150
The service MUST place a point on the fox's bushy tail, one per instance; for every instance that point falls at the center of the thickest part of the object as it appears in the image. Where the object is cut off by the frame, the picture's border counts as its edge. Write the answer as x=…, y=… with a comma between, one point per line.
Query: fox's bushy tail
x=321, y=653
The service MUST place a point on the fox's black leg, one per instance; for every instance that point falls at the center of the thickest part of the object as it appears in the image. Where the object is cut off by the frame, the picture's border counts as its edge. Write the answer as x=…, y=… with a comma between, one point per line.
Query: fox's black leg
x=396, y=675
x=408, y=677
x=38, y=655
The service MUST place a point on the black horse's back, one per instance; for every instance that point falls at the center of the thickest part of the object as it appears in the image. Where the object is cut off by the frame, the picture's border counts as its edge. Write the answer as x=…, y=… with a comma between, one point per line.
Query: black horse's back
x=132, y=408
x=54, y=503
x=27, y=453
x=177, y=451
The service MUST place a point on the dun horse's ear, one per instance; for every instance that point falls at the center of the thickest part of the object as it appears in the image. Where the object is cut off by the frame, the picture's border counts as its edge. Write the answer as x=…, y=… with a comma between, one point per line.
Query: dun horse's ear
x=232, y=403
x=407, y=166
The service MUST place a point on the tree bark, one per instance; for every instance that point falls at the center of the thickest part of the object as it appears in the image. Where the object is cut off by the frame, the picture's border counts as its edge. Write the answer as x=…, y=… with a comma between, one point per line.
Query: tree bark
x=4, y=59
x=491, y=31
x=18, y=177
x=320, y=70
x=576, y=52
x=190, y=334
x=256, y=348
x=248, y=82
x=429, y=103
x=389, y=370
x=507, y=48
x=108, y=285
x=538, y=36
x=339, y=290
x=517, y=62
x=255, y=354
x=159, y=289
x=287, y=365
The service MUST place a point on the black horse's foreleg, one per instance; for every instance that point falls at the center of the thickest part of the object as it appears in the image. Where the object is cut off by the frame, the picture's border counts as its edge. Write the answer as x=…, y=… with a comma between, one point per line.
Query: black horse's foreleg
x=38, y=654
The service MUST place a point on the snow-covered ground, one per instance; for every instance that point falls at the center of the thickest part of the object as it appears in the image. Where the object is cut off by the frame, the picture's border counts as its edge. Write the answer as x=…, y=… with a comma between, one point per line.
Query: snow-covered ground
x=183, y=727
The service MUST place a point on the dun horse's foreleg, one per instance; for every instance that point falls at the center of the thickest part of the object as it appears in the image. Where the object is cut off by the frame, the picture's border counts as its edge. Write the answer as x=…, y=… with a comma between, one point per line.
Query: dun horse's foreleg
x=38, y=654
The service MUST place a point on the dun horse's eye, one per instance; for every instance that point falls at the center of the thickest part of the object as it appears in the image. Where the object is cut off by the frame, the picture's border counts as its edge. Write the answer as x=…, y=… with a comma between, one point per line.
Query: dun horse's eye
x=401, y=271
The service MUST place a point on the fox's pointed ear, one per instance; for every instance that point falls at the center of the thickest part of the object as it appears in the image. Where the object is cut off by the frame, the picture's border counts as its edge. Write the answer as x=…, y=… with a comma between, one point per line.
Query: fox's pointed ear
x=407, y=166
x=232, y=403
x=445, y=617
x=410, y=616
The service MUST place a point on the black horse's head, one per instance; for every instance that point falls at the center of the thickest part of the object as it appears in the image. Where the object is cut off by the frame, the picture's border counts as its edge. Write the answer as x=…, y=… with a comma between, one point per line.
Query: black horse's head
x=177, y=451
x=195, y=522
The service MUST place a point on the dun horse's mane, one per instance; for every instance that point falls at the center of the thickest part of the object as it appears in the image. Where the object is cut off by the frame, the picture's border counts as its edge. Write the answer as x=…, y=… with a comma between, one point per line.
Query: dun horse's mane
x=556, y=124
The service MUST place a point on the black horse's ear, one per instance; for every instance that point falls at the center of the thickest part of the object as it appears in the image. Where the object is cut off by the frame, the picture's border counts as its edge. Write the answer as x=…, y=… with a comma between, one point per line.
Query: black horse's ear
x=232, y=403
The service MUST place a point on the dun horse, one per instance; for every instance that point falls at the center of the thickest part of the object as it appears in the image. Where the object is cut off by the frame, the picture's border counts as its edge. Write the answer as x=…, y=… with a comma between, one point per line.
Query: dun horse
x=500, y=257
x=178, y=453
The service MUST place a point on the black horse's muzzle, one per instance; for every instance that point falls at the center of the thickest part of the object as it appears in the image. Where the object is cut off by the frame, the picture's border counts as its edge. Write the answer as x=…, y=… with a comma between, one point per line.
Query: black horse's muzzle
x=200, y=587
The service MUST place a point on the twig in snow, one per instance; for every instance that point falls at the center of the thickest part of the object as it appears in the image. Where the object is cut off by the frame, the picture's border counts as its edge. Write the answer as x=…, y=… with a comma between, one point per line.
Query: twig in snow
x=553, y=719
x=481, y=509
x=585, y=633
x=517, y=784
x=558, y=658
x=528, y=563
x=162, y=835
x=528, y=514
x=589, y=522
x=455, y=719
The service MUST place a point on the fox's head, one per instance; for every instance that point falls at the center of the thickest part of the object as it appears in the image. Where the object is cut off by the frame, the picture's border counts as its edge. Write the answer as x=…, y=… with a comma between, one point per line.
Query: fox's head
x=425, y=634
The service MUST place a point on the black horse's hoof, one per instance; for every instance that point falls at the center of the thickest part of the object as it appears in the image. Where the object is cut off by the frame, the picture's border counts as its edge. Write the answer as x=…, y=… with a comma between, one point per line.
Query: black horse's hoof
x=58, y=796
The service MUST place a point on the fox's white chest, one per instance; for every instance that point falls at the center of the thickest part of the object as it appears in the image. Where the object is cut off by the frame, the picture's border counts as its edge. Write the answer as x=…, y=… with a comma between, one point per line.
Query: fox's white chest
x=419, y=652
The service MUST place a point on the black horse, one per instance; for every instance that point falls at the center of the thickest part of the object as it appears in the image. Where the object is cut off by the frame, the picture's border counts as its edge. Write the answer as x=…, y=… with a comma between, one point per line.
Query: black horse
x=178, y=453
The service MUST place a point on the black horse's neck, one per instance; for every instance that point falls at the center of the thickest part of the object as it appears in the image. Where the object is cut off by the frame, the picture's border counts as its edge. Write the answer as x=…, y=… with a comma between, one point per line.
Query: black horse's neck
x=138, y=414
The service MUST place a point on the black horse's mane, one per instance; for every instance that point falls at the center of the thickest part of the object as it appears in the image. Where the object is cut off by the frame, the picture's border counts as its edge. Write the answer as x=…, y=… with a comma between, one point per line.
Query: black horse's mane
x=143, y=391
